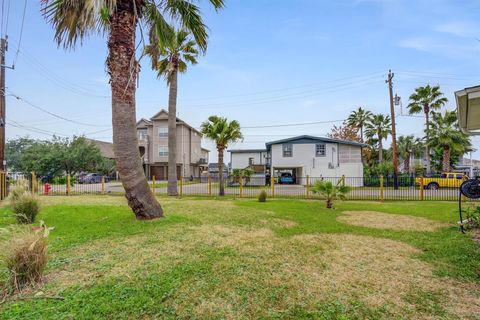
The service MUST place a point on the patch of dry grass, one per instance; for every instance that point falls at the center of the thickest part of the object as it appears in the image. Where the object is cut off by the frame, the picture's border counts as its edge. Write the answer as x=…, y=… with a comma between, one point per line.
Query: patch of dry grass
x=380, y=220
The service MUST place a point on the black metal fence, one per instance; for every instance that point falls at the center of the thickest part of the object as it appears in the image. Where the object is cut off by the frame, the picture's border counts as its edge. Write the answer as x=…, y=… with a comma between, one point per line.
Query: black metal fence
x=360, y=188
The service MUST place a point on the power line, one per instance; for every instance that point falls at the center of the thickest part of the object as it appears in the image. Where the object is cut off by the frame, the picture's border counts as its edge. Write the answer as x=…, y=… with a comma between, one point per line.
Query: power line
x=34, y=129
x=54, y=114
x=292, y=124
x=21, y=33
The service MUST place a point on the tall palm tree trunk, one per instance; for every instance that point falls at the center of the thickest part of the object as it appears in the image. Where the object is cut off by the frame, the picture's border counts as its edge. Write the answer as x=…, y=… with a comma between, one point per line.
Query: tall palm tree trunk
x=361, y=133
x=122, y=67
x=221, y=181
x=446, y=158
x=406, y=164
x=427, y=148
x=172, y=188
x=380, y=150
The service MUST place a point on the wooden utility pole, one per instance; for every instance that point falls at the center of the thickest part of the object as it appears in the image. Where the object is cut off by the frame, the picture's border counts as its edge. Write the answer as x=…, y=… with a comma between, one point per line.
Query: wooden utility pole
x=394, y=133
x=3, y=50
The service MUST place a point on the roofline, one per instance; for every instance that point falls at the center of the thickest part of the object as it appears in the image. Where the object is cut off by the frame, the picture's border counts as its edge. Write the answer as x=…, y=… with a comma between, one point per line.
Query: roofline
x=179, y=121
x=246, y=150
x=323, y=139
x=205, y=149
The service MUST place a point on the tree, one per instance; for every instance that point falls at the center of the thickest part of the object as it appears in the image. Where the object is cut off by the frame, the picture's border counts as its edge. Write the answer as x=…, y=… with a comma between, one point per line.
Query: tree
x=359, y=118
x=408, y=146
x=168, y=59
x=330, y=191
x=60, y=156
x=13, y=151
x=378, y=129
x=426, y=99
x=74, y=20
x=222, y=132
x=345, y=132
x=444, y=134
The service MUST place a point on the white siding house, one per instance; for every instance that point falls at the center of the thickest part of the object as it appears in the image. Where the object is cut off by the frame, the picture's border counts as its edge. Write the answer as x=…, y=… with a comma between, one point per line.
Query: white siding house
x=316, y=157
x=241, y=159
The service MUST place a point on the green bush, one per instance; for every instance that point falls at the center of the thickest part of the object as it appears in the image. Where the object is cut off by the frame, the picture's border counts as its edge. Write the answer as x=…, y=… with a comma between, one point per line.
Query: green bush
x=63, y=180
x=262, y=197
x=18, y=188
x=473, y=218
x=25, y=208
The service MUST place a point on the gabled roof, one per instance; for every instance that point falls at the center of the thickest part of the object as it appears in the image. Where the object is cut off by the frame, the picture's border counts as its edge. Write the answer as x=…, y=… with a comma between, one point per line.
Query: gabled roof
x=106, y=148
x=311, y=139
x=246, y=150
x=163, y=115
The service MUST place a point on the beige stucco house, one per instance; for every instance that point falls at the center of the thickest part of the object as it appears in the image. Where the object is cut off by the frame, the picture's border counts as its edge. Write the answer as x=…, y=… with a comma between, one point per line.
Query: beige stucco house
x=192, y=159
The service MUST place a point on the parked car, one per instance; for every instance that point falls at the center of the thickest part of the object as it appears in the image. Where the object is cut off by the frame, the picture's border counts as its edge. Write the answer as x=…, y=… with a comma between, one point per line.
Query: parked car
x=90, y=178
x=446, y=180
x=286, y=178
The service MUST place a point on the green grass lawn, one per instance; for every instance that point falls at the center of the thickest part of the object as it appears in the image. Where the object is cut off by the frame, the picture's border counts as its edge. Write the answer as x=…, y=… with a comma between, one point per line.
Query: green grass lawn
x=241, y=259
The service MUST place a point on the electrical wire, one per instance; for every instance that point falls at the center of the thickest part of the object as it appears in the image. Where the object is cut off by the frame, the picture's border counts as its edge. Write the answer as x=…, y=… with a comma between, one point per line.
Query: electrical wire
x=54, y=114
x=21, y=33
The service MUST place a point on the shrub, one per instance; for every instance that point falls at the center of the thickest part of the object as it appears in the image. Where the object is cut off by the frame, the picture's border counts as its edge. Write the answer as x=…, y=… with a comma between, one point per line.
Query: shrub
x=26, y=257
x=18, y=188
x=262, y=197
x=330, y=191
x=473, y=218
x=25, y=207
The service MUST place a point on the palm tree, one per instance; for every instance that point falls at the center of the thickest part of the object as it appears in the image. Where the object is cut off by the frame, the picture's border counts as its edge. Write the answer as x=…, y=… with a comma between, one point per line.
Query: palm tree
x=445, y=133
x=222, y=132
x=168, y=59
x=358, y=119
x=426, y=99
x=408, y=146
x=330, y=191
x=75, y=20
x=378, y=129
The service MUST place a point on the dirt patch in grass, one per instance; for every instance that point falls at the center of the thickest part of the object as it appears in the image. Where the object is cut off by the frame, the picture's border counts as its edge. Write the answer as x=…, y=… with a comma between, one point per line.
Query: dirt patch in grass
x=380, y=220
x=270, y=276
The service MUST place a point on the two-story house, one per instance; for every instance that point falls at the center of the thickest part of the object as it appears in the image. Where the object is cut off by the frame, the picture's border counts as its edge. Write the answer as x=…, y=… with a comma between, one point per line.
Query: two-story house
x=192, y=159
x=305, y=156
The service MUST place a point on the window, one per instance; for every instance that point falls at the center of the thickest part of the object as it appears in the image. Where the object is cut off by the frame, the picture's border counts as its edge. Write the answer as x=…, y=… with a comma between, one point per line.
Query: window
x=451, y=176
x=459, y=176
x=163, y=132
x=163, y=151
x=142, y=134
x=287, y=150
x=250, y=161
x=320, y=150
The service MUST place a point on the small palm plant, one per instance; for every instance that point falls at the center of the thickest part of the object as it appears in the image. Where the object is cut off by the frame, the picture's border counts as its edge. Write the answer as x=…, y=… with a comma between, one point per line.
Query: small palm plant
x=330, y=191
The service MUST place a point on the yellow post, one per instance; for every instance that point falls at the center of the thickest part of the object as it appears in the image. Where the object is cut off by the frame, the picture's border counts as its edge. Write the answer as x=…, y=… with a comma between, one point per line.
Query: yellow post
x=307, y=189
x=4, y=181
x=422, y=188
x=2, y=191
x=153, y=185
x=68, y=184
x=241, y=186
x=103, y=185
x=272, y=183
x=34, y=183
x=181, y=187
x=381, y=188
x=209, y=186
x=343, y=180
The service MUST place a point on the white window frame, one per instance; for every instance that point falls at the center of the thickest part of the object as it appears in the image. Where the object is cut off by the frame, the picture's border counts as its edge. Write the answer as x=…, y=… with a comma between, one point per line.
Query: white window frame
x=320, y=154
x=287, y=150
x=142, y=134
x=163, y=151
x=163, y=132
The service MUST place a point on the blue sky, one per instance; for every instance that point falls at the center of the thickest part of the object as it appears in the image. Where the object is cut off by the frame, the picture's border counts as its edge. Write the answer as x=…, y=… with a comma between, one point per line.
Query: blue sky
x=268, y=62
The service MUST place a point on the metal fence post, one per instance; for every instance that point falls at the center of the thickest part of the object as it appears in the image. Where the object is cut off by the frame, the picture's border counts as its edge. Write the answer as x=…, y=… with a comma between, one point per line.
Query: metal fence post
x=307, y=188
x=153, y=184
x=2, y=188
x=34, y=183
x=103, y=185
x=68, y=184
x=422, y=188
x=241, y=186
x=181, y=187
x=272, y=183
x=381, y=188
x=209, y=186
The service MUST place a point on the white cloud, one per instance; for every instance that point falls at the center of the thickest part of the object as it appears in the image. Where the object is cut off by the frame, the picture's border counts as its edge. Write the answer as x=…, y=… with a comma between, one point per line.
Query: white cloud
x=459, y=28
